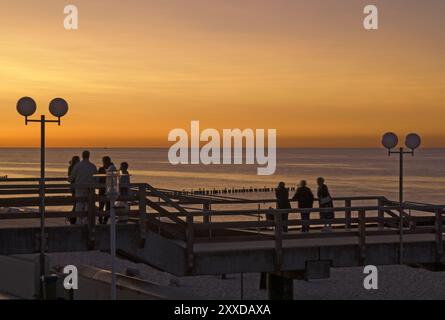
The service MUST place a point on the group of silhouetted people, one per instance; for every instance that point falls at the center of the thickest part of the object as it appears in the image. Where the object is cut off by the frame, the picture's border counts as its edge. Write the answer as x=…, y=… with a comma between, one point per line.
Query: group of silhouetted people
x=82, y=172
x=306, y=199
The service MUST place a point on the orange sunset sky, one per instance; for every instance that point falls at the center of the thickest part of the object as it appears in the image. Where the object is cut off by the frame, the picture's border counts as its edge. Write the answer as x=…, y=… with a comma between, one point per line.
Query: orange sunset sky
x=137, y=69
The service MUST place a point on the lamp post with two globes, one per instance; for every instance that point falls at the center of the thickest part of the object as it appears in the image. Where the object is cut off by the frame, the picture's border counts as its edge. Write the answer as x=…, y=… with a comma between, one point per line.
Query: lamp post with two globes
x=412, y=142
x=27, y=107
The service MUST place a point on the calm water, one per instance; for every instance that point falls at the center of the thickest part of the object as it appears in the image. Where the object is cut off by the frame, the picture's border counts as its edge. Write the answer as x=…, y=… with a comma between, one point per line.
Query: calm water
x=347, y=171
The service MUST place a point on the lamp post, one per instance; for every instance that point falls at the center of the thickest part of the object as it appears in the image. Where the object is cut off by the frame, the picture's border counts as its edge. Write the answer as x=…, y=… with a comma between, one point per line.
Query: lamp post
x=112, y=187
x=412, y=142
x=27, y=107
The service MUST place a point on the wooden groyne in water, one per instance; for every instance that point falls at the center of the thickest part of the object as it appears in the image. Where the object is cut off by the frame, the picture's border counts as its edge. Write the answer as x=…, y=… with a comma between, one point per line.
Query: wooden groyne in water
x=186, y=234
x=204, y=191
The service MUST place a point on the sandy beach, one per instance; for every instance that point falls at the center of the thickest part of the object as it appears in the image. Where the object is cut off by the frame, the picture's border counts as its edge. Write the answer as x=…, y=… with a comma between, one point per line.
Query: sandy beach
x=395, y=282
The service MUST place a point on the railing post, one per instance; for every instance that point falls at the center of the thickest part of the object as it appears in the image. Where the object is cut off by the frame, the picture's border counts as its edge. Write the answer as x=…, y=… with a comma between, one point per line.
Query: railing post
x=278, y=240
x=142, y=195
x=401, y=222
x=190, y=241
x=381, y=214
x=362, y=236
x=259, y=219
x=206, y=215
x=159, y=220
x=206, y=208
x=348, y=204
x=91, y=218
x=439, y=235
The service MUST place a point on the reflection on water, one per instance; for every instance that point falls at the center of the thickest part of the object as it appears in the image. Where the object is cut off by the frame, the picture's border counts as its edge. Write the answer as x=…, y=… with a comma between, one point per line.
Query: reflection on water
x=347, y=171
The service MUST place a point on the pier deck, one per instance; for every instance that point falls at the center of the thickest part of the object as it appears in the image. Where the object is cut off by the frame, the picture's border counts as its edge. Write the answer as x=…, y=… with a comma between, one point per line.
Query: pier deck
x=166, y=232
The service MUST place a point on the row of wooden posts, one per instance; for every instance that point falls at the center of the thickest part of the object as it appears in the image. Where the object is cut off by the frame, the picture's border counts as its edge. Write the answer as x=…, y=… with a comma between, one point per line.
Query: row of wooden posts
x=144, y=194
x=203, y=191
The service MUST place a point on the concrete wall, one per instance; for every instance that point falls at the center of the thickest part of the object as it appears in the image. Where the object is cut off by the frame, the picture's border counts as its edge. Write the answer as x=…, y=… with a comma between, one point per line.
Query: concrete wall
x=164, y=254
x=66, y=239
x=19, y=275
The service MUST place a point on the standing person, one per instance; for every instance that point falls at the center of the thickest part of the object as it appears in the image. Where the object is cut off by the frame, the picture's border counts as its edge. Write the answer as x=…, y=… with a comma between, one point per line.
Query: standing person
x=83, y=173
x=107, y=164
x=124, y=191
x=305, y=199
x=73, y=162
x=325, y=201
x=282, y=194
x=124, y=180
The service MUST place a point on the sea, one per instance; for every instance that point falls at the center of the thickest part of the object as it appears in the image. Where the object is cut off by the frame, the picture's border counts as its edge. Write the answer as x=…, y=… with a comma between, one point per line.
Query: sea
x=348, y=172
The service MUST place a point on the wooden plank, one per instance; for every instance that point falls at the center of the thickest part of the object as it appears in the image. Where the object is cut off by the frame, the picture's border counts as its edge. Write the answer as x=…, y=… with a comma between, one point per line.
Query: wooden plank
x=67, y=200
x=252, y=235
x=278, y=217
x=381, y=213
x=59, y=214
x=165, y=213
x=228, y=239
x=7, y=180
x=206, y=207
x=34, y=191
x=166, y=199
x=91, y=219
x=255, y=212
x=190, y=242
x=142, y=195
x=211, y=247
x=348, y=204
x=227, y=225
x=35, y=201
x=264, y=224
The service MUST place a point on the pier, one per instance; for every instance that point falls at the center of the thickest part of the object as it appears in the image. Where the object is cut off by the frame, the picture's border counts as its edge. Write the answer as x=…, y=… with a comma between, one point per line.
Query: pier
x=187, y=234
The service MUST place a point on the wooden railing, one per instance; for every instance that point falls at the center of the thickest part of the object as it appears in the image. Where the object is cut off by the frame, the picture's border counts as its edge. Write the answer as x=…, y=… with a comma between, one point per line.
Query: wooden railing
x=361, y=226
x=164, y=211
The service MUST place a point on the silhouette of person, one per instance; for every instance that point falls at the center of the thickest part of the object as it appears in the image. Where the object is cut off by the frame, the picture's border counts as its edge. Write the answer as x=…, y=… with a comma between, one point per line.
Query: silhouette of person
x=282, y=195
x=83, y=173
x=104, y=204
x=124, y=191
x=325, y=201
x=305, y=199
x=73, y=162
x=124, y=180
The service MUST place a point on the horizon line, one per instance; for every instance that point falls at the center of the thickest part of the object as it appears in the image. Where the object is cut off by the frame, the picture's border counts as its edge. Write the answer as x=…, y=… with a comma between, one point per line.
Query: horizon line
x=155, y=147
